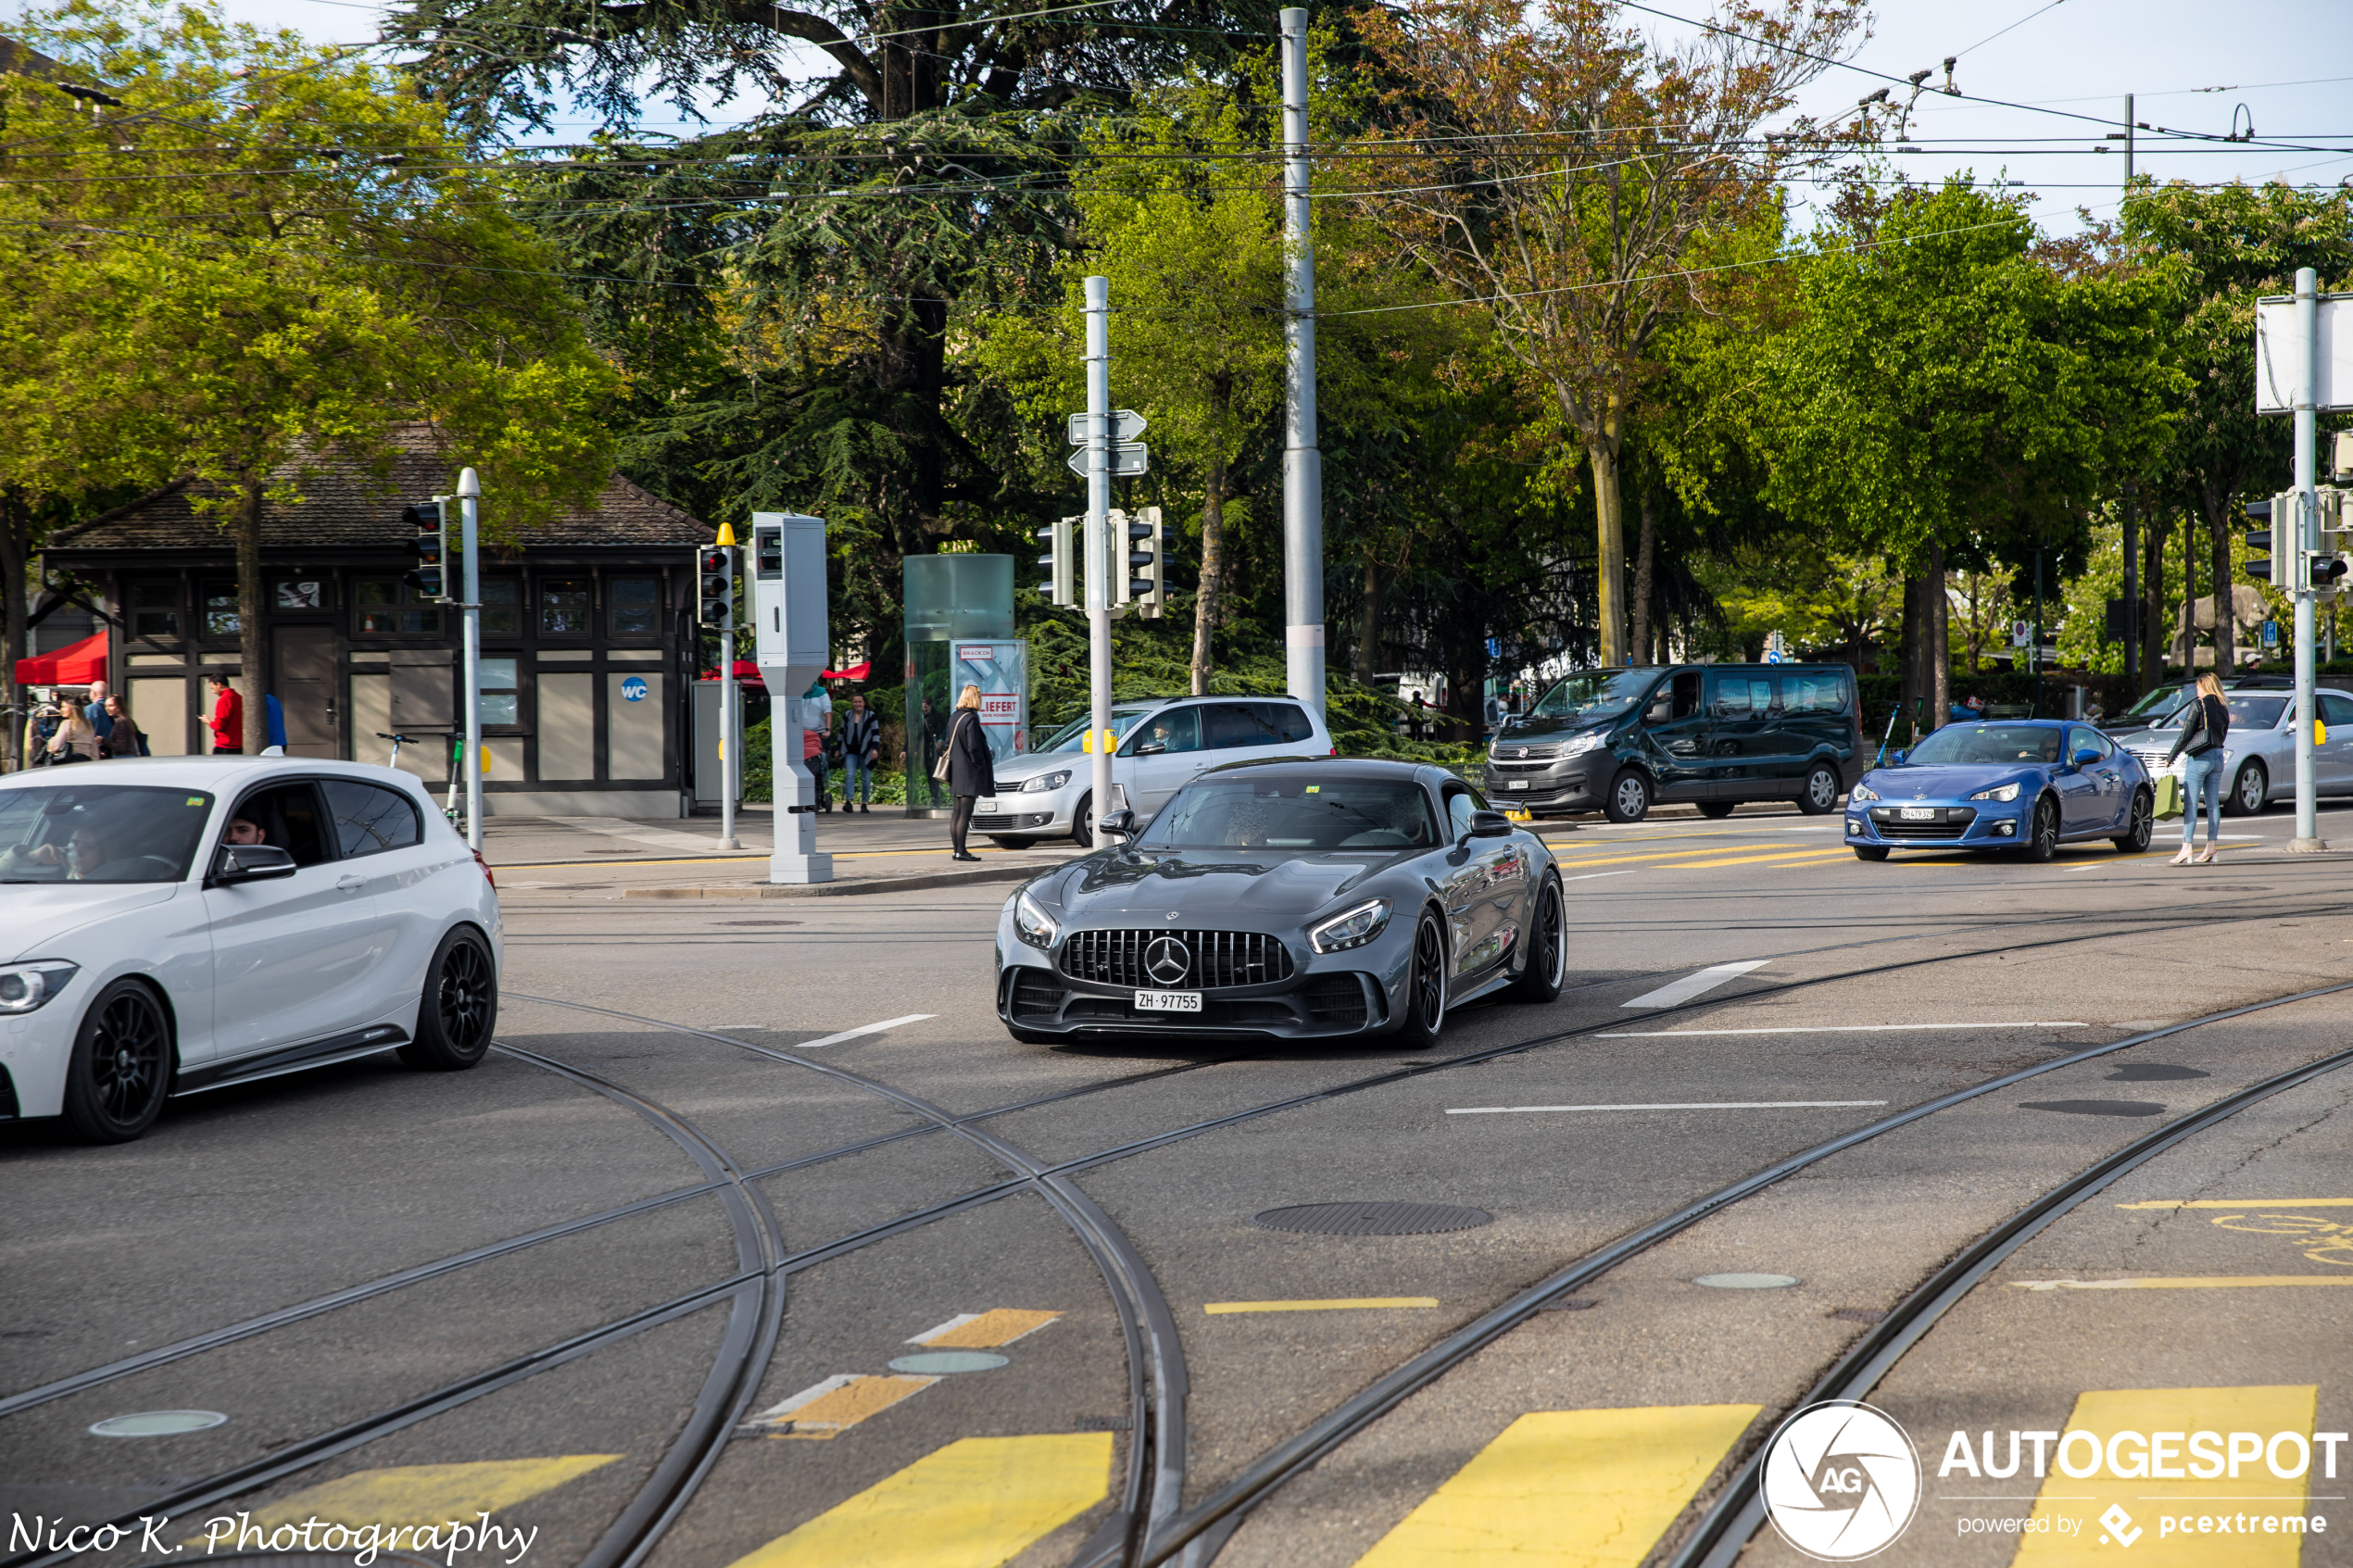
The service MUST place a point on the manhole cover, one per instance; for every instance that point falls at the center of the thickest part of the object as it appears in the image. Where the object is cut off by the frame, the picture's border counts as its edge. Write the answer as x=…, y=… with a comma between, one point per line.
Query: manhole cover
x=2151, y=1071
x=1746, y=1282
x=1371, y=1219
x=2097, y=1106
x=759, y=922
x=157, y=1424
x=949, y=1360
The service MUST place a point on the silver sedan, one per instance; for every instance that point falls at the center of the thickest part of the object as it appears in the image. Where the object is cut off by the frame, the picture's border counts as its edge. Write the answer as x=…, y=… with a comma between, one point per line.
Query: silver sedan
x=2259, y=755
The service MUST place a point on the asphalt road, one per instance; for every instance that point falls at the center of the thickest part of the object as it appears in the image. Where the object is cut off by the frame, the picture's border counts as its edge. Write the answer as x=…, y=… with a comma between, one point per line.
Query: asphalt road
x=639, y=1282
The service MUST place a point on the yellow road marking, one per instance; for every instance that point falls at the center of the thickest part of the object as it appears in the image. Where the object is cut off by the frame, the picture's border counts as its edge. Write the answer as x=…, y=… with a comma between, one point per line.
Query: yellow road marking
x=1338, y=1304
x=2183, y=1281
x=1839, y=854
x=985, y=1330
x=828, y=1409
x=1571, y=863
x=2174, y=1412
x=972, y=1504
x=1568, y=1489
x=2243, y=1203
x=422, y=1494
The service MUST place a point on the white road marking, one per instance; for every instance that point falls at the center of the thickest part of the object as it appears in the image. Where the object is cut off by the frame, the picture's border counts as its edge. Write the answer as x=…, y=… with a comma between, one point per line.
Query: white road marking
x=1837, y=1028
x=862, y=1030
x=1693, y=984
x=1590, y=875
x=1694, y=1105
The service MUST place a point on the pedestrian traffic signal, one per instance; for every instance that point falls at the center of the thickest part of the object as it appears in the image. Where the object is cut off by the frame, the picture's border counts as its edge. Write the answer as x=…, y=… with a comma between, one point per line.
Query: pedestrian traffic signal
x=1061, y=561
x=715, y=587
x=1147, y=560
x=2278, y=565
x=430, y=521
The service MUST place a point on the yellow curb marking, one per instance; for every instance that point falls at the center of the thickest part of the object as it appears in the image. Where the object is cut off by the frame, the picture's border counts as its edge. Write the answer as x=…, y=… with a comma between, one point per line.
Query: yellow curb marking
x=1338, y=1304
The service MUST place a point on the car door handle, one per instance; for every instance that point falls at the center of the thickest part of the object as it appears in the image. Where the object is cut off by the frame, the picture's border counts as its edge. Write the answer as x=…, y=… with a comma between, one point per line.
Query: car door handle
x=350, y=883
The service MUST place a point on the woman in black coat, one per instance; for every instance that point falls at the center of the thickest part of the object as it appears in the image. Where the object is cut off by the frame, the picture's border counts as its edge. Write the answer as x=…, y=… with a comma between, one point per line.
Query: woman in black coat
x=971, y=769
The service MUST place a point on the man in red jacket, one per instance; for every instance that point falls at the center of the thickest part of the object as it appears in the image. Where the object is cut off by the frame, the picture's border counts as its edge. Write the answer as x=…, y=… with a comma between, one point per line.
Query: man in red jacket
x=228, y=721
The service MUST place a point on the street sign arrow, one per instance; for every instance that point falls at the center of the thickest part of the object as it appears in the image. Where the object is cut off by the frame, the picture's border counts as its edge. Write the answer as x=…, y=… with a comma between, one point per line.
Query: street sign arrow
x=1126, y=426
x=1127, y=460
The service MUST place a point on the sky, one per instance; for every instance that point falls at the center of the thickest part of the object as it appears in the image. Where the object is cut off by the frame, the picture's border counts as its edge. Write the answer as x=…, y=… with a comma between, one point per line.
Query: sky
x=2192, y=66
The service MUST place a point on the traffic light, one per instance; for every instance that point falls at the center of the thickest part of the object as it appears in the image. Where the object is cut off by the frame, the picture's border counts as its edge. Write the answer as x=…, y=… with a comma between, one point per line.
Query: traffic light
x=430, y=521
x=2278, y=568
x=1148, y=558
x=715, y=587
x=1061, y=561
x=2336, y=553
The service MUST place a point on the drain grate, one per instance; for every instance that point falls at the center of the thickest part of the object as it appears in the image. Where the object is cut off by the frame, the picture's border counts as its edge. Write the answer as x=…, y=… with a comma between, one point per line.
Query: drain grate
x=2097, y=1106
x=1371, y=1219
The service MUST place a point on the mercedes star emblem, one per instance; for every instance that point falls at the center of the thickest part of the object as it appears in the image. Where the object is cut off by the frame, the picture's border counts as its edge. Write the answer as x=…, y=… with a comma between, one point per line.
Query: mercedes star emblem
x=1167, y=960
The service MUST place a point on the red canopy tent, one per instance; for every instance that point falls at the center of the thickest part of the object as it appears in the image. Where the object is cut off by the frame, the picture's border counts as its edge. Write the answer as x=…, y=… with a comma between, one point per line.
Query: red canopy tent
x=75, y=665
x=748, y=674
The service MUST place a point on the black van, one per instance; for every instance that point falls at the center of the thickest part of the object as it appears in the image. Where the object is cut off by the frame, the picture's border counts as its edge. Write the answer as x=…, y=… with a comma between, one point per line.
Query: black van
x=1715, y=734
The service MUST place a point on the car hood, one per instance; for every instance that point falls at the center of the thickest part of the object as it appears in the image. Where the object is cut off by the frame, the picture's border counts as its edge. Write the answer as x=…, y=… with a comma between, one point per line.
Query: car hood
x=1898, y=786
x=54, y=910
x=1209, y=888
x=1029, y=764
x=1530, y=730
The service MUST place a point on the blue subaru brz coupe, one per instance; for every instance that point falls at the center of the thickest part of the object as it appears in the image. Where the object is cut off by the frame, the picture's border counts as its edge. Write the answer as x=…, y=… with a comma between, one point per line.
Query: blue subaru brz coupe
x=2027, y=787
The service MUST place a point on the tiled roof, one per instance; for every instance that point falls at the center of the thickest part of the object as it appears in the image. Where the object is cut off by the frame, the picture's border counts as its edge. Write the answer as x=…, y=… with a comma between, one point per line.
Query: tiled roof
x=344, y=506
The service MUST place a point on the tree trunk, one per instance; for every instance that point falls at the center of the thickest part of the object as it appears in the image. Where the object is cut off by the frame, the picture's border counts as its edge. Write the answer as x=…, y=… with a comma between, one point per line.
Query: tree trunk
x=1610, y=522
x=251, y=682
x=2225, y=624
x=1939, y=640
x=1644, y=554
x=14, y=608
x=1369, y=626
x=1908, y=658
x=2153, y=638
x=1212, y=569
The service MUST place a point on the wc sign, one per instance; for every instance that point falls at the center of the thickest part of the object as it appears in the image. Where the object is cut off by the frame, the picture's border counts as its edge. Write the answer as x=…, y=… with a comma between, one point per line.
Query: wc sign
x=633, y=689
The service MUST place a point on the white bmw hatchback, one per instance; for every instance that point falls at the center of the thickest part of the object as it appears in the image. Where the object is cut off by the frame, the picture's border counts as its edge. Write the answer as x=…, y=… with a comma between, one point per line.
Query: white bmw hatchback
x=172, y=925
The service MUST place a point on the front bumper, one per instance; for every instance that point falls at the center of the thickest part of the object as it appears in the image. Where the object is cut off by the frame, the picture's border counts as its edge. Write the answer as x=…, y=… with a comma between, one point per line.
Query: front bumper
x=36, y=1049
x=1041, y=814
x=1957, y=824
x=1360, y=991
x=1574, y=784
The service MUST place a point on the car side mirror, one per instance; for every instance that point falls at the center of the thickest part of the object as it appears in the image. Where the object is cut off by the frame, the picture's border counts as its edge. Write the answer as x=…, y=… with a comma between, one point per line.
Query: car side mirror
x=1490, y=824
x=1122, y=823
x=1660, y=712
x=2085, y=758
x=1150, y=748
x=250, y=862
x=1896, y=759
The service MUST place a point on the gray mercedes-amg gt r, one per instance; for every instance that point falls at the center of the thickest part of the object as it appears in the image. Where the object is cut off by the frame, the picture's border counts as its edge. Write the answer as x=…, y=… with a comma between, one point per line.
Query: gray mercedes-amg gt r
x=1299, y=900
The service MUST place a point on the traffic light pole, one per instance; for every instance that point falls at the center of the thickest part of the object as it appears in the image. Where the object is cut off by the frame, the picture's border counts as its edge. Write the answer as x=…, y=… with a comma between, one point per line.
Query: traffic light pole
x=2307, y=540
x=1303, y=462
x=1098, y=545
x=469, y=616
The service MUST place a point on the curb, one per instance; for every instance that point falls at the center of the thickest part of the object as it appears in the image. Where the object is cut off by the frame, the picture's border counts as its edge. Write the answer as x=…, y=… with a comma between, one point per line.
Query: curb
x=910, y=883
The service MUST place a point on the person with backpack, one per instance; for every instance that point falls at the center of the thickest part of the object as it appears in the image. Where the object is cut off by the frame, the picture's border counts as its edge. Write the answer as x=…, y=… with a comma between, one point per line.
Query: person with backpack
x=2206, y=725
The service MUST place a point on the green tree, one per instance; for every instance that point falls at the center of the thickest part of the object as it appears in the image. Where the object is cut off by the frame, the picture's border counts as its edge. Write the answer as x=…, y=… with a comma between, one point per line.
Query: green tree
x=261, y=256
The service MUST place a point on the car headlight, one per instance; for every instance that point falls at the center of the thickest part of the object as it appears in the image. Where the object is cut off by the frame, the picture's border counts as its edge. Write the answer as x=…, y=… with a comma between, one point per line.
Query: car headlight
x=1033, y=924
x=1044, y=782
x=1352, y=929
x=2006, y=791
x=24, y=986
x=1862, y=791
x=1583, y=744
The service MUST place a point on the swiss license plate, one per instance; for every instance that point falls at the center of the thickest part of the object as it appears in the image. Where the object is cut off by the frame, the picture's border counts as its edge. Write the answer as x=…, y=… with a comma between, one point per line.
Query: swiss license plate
x=1918, y=814
x=1168, y=1002
x=1515, y=783
x=985, y=805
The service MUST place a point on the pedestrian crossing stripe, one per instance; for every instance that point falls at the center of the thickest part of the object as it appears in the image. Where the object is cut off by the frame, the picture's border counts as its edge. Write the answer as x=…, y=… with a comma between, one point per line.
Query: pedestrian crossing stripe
x=984, y=1331
x=831, y=1407
x=1591, y=1489
x=2102, y=1506
x=976, y=1503
x=428, y=1494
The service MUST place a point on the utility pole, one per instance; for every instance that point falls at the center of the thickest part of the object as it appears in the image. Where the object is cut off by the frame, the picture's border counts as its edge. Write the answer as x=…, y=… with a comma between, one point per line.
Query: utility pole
x=2307, y=540
x=470, y=614
x=1098, y=540
x=2131, y=533
x=1303, y=463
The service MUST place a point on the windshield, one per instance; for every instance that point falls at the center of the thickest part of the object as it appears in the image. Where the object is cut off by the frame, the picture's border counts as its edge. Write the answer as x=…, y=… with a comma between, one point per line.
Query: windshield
x=1070, y=736
x=2247, y=713
x=100, y=833
x=1294, y=813
x=1595, y=694
x=1988, y=743
x=2158, y=703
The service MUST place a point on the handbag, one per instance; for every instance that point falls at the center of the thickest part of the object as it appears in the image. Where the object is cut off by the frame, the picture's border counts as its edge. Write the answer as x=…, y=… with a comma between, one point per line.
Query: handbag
x=2168, y=795
x=940, y=768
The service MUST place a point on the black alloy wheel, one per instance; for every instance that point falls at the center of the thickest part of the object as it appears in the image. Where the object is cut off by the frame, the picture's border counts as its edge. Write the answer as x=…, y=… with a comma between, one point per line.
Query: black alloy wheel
x=2042, y=839
x=120, y=1070
x=1870, y=851
x=1717, y=810
x=1547, y=946
x=2248, y=791
x=2139, y=826
x=1818, y=796
x=1424, y=986
x=1082, y=823
x=1629, y=796
x=460, y=1008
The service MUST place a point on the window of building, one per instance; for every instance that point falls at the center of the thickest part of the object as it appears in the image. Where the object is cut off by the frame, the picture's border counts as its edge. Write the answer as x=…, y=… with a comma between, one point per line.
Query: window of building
x=502, y=606
x=389, y=607
x=635, y=605
x=564, y=608
x=155, y=608
x=498, y=693
x=299, y=592
x=220, y=610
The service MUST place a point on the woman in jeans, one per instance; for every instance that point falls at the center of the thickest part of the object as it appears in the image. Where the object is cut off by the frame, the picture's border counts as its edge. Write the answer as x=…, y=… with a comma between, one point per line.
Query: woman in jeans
x=860, y=749
x=2206, y=724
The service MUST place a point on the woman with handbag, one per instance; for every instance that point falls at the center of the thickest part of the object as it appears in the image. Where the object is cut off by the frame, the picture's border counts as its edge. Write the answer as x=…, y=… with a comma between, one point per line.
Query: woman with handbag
x=968, y=767
x=2206, y=725
x=75, y=740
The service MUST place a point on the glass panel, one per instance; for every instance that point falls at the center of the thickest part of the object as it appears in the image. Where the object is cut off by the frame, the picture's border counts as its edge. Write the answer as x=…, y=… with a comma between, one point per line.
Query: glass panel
x=498, y=687
x=563, y=609
x=369, y=819
x=1732, y=695
x=498, y=707
x=387, y=608
x=155, y=608
x=1176, y=729
x=300, y=593
x=100, y=833
x=1813, y=693
x=502, y=606
x=1294, y=813
x=220, y=610
x=635, y=606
